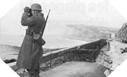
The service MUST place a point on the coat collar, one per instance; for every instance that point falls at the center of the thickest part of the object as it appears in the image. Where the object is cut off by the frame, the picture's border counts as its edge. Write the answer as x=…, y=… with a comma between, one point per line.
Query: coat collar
x=40, y=14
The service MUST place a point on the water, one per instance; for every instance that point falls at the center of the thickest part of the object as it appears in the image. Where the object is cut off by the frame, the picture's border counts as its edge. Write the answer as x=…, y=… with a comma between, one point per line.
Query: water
x=51, y=42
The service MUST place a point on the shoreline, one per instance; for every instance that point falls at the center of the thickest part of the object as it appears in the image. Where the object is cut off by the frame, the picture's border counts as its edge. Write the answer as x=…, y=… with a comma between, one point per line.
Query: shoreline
x=51, y=42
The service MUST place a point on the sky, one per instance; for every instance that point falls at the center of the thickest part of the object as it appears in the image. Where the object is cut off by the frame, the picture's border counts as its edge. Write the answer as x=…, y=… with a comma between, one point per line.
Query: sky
x=64, y=12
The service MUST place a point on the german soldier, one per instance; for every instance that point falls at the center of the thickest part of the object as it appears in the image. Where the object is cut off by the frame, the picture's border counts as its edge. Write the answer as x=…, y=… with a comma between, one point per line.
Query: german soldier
x=31, y=49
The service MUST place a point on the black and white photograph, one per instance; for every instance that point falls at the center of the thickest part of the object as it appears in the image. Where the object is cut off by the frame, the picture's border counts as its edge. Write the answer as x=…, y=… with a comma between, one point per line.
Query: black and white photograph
x=63, y=38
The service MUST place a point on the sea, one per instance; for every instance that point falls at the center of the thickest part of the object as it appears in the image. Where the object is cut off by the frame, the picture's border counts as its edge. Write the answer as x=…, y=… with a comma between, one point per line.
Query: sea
x=51, y=41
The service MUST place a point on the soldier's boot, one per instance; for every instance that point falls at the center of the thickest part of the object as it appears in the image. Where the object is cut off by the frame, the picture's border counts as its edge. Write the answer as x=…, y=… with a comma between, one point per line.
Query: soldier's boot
x=33, y=73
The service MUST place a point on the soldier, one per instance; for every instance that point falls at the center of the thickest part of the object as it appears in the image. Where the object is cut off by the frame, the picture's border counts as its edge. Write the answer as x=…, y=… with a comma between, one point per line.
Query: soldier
x=31, y=49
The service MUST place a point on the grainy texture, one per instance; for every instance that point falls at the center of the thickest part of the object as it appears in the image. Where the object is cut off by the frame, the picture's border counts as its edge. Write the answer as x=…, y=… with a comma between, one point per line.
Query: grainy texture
x=76, y=69
x=122, y=33
x=84, y=53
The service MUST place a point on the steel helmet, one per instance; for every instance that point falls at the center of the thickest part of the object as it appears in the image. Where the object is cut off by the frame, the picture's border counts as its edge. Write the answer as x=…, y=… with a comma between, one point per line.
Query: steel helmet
x=36, y=6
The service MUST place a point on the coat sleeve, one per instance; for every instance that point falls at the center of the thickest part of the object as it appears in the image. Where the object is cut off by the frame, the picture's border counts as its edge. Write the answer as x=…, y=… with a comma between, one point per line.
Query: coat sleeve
x=28, y=21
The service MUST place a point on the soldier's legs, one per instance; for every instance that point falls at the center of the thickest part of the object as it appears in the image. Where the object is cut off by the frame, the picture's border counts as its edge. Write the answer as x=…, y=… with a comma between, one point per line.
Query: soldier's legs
x=33, y=72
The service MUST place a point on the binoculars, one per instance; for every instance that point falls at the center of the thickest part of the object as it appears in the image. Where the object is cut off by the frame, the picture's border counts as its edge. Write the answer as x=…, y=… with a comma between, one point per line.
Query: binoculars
x=29, y=10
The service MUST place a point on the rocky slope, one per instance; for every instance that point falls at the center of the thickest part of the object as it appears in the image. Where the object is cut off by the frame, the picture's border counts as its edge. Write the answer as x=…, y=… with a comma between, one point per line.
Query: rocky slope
x=100, y=51
x=9, y=53
x=89, y=32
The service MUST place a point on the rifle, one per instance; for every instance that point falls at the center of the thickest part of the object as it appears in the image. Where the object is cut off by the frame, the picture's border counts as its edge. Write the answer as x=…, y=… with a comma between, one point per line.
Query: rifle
x=36, y=36
x=42, y=29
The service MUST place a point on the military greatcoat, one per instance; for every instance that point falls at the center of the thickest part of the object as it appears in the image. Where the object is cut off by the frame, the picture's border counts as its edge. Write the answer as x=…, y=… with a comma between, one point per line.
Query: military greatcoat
x=31, y=51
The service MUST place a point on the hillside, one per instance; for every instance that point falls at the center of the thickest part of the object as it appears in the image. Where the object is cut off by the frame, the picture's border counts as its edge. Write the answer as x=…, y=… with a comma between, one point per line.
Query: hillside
x=60, y=62
x=8, y=52
x=89, y=32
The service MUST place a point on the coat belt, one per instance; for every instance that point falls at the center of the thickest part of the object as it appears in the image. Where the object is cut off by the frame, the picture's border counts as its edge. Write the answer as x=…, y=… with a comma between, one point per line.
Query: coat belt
x=29, y=32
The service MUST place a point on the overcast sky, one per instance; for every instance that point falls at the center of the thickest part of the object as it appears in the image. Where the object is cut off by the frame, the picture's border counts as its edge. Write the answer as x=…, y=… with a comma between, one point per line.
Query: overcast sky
x=63, y=12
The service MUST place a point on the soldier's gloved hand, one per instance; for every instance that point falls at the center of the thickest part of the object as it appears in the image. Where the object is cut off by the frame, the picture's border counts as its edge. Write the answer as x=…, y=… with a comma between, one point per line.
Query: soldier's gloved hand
x=26, y=9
